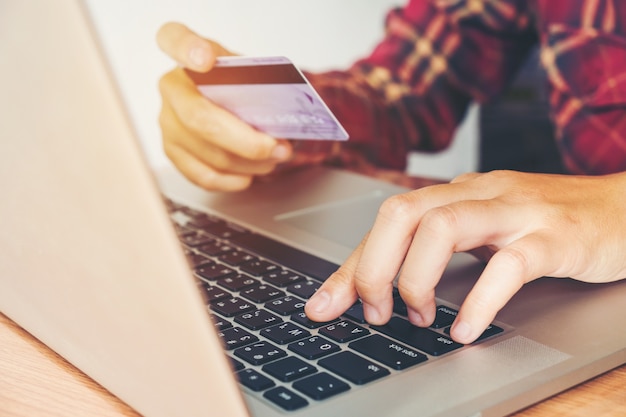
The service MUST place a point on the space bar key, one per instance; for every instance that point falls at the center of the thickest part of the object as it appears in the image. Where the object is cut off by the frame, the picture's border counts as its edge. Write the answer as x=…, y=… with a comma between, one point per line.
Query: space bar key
x=286, y=255
x=426, y=340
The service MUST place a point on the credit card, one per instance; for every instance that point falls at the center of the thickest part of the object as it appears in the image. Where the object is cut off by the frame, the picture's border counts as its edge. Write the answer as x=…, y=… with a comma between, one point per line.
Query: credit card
x=272, y=95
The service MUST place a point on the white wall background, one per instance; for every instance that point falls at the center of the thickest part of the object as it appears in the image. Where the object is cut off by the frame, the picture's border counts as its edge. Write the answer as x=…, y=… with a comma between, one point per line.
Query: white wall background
x=316, y=35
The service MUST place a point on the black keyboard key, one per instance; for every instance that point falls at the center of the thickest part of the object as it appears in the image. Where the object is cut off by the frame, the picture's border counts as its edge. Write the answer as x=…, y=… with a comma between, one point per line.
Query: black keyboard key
x=343, y=331
x=214, y=247
x=288, y=256
x=302, y=319
x=220, y=323
x=181, y=230
x=285, y=398
x=489, y=331
x=355, y=313
x=304, y=289
x=236, y=337
x=353, y=367
x=194, y=238
x=399, y=306
x=388, y=352
x=259, y=353
x=426, y=340
x=259, y=267
x=285, y=333
x=257, y=319
x=254, y=380
x=236, y=257
x=213, y=293
x=445, y=317
x=289, y=369
x=235, y=364
x=282, y=278
x=214, y=271
x=223, y=229
x=238, y=282
x=262, y=293
x=286, y=306
x=172, y=206
x=314, y=347
x=321, y=386
x=195, y=259
x=232, y=307
x=198, y=219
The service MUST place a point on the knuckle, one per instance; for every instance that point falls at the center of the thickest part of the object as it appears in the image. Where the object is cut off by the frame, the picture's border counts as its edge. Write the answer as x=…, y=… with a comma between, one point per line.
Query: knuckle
x=397, y=207
x=368, y=287
x=515, y=260
x=465, y=177
x=500, y=174
x=440, y=219
x=363, y=284
x=339, y=278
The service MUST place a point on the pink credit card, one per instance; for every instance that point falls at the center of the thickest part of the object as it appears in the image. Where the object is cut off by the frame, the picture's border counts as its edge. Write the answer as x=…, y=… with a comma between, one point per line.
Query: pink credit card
x=272, y=95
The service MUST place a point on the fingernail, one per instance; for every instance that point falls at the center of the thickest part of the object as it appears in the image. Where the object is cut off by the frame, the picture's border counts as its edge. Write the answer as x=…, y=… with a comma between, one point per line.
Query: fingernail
x=198, y=57
x=319, y=302
x=461, y=331
x=371, y=314
x=281, y=152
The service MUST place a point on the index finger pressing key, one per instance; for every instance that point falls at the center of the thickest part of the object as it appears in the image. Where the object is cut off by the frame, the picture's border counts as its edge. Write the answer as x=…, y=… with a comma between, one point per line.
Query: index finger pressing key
x=390, y=239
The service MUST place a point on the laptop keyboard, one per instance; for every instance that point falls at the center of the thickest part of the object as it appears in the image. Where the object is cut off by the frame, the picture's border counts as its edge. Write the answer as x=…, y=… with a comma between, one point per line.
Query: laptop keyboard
x=257, y=287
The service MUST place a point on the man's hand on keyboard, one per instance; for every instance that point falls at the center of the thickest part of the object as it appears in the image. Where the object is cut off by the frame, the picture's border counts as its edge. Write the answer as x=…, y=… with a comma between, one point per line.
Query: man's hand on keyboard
x=525, y=225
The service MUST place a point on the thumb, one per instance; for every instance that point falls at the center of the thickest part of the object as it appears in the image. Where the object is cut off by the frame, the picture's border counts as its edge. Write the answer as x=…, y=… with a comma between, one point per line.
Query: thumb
x=187, y=48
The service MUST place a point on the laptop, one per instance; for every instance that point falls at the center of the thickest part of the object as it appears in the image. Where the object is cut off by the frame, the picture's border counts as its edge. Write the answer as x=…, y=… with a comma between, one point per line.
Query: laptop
x=110, y=264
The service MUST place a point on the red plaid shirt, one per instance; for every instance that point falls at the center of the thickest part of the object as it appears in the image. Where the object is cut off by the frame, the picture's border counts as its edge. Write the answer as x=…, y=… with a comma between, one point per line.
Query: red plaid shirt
x=438, y=55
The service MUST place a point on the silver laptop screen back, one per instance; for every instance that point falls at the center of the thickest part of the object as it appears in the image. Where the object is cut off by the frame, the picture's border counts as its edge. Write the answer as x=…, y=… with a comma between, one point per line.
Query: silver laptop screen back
x=89, y=262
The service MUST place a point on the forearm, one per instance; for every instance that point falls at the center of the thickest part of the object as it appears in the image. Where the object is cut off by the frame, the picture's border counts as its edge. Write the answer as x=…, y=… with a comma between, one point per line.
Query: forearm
x=385, y=125
x=412, y=91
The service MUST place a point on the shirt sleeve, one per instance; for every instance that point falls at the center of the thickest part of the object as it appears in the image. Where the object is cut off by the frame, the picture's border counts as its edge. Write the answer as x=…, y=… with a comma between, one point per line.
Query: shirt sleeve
x=583, y=50
x=413, y=90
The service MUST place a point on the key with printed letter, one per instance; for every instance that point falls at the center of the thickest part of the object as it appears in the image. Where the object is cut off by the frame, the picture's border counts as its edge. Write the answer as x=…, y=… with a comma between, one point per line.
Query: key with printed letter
x=289, y=369
x=354, y=368
x=259, y=353
x=285, y=398
x=422, y=339
x=344, y=331
x=285, y=333
x=314, y=347
x=388, y=352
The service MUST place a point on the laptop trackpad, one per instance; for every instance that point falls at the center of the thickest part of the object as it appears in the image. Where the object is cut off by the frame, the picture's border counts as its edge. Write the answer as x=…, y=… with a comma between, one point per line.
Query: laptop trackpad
x=344, y=222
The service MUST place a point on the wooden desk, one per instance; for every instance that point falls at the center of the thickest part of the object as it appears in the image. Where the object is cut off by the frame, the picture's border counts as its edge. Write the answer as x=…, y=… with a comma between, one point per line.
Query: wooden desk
x=35, y=381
